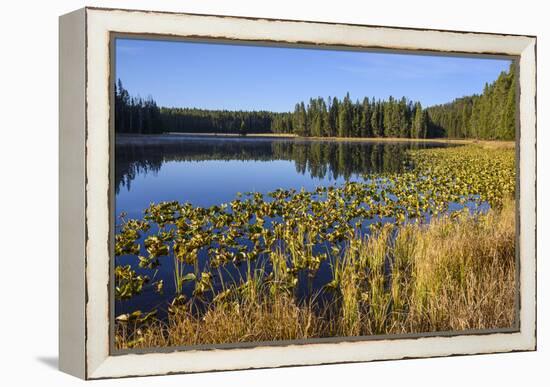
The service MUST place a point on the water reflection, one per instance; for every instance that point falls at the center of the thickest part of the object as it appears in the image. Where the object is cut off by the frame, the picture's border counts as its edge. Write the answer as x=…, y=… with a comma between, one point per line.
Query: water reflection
x=323, y=159
x=208, y=171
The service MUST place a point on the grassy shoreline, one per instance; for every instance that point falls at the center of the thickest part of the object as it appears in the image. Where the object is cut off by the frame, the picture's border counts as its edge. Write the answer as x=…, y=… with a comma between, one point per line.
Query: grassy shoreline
x=442, y=280
x=128, y=138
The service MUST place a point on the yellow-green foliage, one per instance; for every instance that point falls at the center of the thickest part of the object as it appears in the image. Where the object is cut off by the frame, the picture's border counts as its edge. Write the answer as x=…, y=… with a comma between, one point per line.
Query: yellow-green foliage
x=442, y=279
x=422, y=269
x=470, y=170
x=463, y=272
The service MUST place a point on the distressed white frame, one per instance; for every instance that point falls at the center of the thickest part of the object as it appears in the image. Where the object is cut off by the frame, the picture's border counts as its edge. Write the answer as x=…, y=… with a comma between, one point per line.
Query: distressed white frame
x=84, y=191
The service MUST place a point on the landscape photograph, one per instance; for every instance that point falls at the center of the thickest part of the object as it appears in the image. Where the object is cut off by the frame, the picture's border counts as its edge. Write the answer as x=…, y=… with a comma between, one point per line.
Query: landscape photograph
x=280, y=194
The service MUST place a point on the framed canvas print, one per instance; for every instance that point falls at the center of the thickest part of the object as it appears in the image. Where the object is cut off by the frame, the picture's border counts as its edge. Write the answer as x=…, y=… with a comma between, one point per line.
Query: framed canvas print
x=244, y=193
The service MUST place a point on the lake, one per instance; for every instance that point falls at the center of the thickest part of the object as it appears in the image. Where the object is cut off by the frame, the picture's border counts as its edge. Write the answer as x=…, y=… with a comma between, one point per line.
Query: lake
x=207, y=170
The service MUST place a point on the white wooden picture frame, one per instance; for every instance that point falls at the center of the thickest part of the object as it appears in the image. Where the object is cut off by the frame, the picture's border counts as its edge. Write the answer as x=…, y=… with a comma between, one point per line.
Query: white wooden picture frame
x=85, y=193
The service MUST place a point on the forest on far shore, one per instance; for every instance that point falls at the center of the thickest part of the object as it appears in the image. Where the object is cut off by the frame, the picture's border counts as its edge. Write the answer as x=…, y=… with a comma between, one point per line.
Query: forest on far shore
x=490, y=115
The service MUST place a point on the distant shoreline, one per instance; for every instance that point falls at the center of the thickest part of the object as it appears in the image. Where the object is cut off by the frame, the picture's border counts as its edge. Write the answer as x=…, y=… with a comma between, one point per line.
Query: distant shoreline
x=125, y=138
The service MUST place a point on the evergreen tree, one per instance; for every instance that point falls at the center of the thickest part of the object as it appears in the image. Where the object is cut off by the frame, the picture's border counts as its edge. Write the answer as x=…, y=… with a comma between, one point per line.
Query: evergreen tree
x=416, y=131
x=325, y=128
x=377, y=120
x=509, y=117
x=242, y=130
x=403, y=117
x=366, y=127
x=356, y=120
x=344, y=117
x=490, y=115
x=300, y=120
x=334, y=112
x=392, y=119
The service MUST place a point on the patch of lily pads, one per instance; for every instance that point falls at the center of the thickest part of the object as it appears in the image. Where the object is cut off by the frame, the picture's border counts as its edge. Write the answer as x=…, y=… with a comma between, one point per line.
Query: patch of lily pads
x=253, y=226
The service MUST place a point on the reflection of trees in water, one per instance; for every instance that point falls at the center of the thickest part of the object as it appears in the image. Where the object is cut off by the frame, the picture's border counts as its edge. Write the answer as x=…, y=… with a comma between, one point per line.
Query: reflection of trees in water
x=131, y=161
x=340, y=159
x=319, y=159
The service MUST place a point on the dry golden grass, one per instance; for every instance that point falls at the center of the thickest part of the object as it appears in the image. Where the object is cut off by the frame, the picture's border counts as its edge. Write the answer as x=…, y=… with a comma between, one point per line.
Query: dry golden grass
x=455, y=273
x=130, y=138
x=495, y=144
x=236, y=320
x=462, y=274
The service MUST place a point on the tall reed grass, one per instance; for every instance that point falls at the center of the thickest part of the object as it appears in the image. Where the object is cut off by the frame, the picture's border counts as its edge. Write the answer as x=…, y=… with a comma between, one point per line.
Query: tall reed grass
x=455, y=273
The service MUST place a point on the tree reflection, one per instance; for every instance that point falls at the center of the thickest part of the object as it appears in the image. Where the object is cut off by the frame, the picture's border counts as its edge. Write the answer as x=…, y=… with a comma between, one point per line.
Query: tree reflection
x=319, y=159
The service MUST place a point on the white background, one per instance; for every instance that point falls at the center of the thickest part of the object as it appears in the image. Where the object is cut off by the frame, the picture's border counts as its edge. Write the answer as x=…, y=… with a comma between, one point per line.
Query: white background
x=28, y=192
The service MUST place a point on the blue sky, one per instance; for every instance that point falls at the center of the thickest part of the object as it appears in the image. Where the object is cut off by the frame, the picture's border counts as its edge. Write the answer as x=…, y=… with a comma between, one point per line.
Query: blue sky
x=243, y=77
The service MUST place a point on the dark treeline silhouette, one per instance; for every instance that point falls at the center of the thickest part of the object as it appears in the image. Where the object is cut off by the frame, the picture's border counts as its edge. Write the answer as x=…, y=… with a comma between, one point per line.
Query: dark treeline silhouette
x=490, y=115
x=318, y=159
x=345, y=118
x=136, y=115
x=191, y=120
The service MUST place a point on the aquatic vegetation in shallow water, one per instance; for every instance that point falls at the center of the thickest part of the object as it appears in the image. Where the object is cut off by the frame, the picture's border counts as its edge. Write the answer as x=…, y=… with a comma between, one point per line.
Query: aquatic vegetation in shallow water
x=284, y=237
x=442, y=279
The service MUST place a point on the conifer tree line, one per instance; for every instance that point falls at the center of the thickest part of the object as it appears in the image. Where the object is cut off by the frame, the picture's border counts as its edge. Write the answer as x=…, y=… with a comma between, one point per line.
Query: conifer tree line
x=490, y=115
x=192, y=120
x=136, y=115
x=345, y=118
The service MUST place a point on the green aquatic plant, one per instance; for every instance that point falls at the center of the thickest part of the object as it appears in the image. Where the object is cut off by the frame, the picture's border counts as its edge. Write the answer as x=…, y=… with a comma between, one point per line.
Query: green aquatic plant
x=127, y=282
x=366, y=230
x=431, y=294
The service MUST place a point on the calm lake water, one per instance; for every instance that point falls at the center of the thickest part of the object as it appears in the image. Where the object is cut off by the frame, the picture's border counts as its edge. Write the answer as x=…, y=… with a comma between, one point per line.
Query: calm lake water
x=211, y=170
